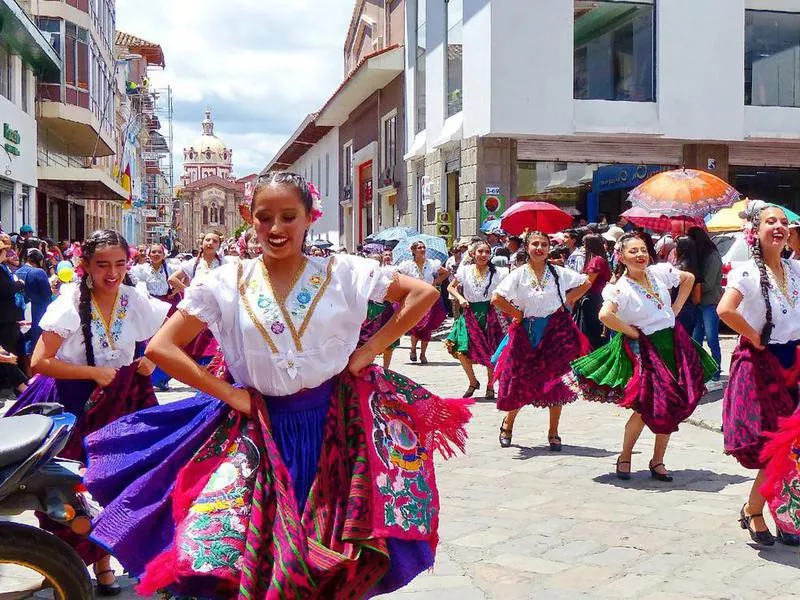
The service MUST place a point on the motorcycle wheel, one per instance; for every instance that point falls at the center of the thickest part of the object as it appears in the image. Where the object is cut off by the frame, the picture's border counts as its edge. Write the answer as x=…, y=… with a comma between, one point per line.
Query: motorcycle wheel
x=44, y=553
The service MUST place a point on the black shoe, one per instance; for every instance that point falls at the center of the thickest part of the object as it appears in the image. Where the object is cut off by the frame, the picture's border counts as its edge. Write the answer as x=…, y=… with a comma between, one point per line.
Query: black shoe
x=623, y=475
x=471, y=390
x=659, y=476
x=555, y=443
x=788, y=539
x=762, y=538
x=107, y=589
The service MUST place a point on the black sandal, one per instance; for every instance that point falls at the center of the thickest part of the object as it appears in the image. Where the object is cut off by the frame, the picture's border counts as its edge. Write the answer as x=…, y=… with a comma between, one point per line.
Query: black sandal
x=554, y=447
x=762, y=538
x=505, y=435
x=423, y=360
x=471, y=390
x=413, y=356
x=107, y=589
x=659, y=476
x=623, y=475
x=489, y=393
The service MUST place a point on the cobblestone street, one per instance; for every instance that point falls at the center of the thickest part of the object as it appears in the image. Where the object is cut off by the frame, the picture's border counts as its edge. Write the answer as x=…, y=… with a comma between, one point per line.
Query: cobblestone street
x=527, y=523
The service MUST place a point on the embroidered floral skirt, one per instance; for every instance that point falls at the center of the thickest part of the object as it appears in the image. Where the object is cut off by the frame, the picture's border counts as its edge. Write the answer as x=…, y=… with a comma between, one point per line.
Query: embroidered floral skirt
x=533, y=359
x=661, y=376
x=94, y=407
x=378, y=314
x=432, y=320
x=477, y=333
x=762, y=389
x=327, y=493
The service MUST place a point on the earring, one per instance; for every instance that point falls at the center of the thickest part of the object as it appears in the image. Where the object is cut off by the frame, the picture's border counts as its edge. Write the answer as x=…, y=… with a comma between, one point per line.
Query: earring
x=89, y=282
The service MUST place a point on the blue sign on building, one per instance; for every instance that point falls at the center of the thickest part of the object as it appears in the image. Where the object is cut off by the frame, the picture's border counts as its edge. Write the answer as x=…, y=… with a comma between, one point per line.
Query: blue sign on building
x=616, y=177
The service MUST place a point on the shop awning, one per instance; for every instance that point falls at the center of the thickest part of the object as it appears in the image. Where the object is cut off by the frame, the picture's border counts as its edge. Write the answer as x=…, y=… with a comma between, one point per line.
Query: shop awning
x=19, y=32
x=87, y=184
x=375, y=72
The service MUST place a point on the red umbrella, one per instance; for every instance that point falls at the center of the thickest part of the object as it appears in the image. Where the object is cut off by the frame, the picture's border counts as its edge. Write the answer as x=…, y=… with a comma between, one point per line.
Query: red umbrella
x=534, y=216
x=661, y=223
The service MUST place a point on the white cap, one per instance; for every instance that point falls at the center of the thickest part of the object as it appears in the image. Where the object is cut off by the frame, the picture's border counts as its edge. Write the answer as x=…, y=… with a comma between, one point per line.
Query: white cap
x=614, y=233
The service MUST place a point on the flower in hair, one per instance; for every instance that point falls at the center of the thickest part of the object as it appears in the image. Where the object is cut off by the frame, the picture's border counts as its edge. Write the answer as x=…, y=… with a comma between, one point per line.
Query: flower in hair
x=316, y=202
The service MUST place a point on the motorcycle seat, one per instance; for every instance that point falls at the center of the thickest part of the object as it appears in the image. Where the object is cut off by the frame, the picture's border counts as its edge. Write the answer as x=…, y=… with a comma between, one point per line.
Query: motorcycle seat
x=21, y=436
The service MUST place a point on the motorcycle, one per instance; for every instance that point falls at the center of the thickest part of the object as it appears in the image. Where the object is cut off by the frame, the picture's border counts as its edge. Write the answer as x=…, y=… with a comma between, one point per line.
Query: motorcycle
x=32, y=478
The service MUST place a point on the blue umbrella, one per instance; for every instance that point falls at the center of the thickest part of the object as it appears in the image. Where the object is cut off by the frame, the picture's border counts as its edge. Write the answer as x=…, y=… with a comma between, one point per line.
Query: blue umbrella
x=491, y=226
x=435, y=248
x=392, y=234
x=320, y=243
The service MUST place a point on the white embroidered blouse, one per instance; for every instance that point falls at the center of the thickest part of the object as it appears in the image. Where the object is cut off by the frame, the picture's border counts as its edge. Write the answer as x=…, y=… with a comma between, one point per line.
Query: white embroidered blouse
x=203, y=267
x=279, y=347
x=428, y=273
x=154, y=279
x=136, y=318
x=476, y=288
x=637, y=307
x=785, y=303
x=539, y=298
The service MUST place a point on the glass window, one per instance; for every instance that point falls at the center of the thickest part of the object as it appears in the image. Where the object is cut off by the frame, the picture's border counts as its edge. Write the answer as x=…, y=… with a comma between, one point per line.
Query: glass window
x=347, y=159
x=24, y=89
x=52, y=30
x=327, y=174
x=419, y=68
x=614, y=51
x=455, y=26
x=319, y=174
x=772, y=59
x=390, y=141
x=5, y=73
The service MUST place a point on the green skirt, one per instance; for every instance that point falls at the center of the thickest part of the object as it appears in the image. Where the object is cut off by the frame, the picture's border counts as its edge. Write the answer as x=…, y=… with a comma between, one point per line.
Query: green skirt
x=374, y=310
x=610, y=366
x=458, y=340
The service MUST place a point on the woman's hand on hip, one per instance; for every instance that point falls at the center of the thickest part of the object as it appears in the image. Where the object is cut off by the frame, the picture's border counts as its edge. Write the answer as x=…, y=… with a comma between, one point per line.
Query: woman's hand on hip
x=360, y=360
x=145, y=366
x=103, y=376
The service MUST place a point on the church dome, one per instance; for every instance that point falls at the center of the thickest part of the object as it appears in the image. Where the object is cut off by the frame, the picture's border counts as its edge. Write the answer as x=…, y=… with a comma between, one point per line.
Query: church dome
x=208, y=147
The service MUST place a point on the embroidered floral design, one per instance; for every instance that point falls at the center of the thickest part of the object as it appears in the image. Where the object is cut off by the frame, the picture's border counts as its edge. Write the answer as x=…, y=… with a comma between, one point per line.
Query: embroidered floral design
x=108, y=336
x=289, y=362
x=315, y=280
x=277, y=327
x=304, y=297
x=653, y=294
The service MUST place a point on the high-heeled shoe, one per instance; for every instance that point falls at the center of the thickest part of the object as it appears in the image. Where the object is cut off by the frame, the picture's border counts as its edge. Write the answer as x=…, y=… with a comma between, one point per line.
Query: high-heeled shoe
x=623, y=475
x=413, y=356
x=659, y=476
x=555, y=443
x=473, y=387
x=106, y=589
x=505, y=435
x=762, y=538
x=489, y=393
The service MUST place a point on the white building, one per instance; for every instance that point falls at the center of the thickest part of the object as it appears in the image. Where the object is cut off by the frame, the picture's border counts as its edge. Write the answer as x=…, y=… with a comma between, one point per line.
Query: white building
x=24, y=54
x=576, y=101
x=313, y=152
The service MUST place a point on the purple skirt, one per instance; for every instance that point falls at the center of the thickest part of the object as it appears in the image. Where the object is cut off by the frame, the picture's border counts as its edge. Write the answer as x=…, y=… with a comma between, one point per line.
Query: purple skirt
x=757, y=396
x=139, y=458
x=432, y=320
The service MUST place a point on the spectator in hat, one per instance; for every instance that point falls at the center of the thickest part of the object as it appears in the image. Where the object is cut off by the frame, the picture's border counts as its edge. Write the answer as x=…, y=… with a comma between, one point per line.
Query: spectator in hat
x=612, y=237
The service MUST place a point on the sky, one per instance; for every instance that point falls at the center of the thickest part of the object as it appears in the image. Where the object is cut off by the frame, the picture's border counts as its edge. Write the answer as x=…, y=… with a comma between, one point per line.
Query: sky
x=260, y=65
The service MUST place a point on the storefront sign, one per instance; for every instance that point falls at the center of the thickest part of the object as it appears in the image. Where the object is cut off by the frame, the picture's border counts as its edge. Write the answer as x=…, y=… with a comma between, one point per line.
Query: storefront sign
x=493, y=190
x=491, y=207
x=622, y=177
x=18, y=145
x=12, y=139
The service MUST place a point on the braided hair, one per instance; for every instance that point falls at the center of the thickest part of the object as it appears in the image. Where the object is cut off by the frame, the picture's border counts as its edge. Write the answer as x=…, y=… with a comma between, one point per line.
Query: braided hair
x=200, y=250
x=289, y=179
x=758, y=257
x=620, y=268
x=103, y=238
x=491, y=265
x=550, y=267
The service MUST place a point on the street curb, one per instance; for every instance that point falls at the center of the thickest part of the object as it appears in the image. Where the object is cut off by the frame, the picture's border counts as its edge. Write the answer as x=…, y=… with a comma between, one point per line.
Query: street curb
x=702, y=424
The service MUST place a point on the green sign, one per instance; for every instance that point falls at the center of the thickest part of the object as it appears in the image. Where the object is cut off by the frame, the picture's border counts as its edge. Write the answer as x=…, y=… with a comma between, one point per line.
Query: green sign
x=491, y=207
x=13, y=139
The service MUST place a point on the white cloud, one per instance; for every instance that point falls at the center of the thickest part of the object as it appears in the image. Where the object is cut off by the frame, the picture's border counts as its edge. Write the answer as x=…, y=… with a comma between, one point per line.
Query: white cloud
x=262, y=64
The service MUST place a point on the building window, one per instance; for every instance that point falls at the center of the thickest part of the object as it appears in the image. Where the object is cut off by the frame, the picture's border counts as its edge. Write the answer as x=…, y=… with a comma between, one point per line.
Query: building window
x=389, y=141
x=347, y=165
x=327, y=174
x=615, y=51
x=419, y=68
x=311, y=179
x=24, y=89
x=455, y=26
x=6, y=73
x=772, y=59
x=319, y=174
x=76, y=65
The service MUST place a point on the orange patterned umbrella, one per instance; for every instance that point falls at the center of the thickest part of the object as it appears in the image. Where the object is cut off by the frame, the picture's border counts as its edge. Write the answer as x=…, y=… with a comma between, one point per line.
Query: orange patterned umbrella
x=683, y=192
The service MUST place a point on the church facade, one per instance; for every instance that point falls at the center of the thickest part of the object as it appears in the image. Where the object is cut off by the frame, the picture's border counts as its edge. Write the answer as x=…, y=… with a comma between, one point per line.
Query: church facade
x=209, y=195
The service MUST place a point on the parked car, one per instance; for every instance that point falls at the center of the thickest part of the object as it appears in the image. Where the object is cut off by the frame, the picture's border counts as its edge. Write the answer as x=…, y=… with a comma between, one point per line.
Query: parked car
x=733, y=250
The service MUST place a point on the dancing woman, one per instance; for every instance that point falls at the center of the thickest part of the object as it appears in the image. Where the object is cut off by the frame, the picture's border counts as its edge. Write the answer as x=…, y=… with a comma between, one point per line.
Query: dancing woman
x=378, y=314
x=543, y=339
x=477, y=332
x=85, y=361
x=203, y=348
x=313, y=480
x=761, y=304
x=429, y=271
x=651, y=366
x=587, y=311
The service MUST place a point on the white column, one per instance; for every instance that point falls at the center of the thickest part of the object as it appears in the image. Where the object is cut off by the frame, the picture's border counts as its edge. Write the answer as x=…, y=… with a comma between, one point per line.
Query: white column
x=435, y=74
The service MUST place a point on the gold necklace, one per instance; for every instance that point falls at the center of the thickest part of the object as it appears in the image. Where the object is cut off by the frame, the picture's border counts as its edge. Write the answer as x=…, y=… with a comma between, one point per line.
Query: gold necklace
x=535, y=282
x=782, y=283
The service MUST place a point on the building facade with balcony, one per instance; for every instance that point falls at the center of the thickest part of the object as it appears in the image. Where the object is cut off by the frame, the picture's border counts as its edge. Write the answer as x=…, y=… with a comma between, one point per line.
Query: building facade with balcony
x=25, y=56
x=576, y=102
x=367, y=115
x=77, y=135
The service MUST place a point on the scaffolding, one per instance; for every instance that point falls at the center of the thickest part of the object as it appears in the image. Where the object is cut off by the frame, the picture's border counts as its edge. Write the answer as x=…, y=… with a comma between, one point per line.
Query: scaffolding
x=159, y=184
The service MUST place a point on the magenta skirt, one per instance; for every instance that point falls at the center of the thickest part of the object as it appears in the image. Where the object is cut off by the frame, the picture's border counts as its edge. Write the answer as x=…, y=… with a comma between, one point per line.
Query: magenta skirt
x=432, y=320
